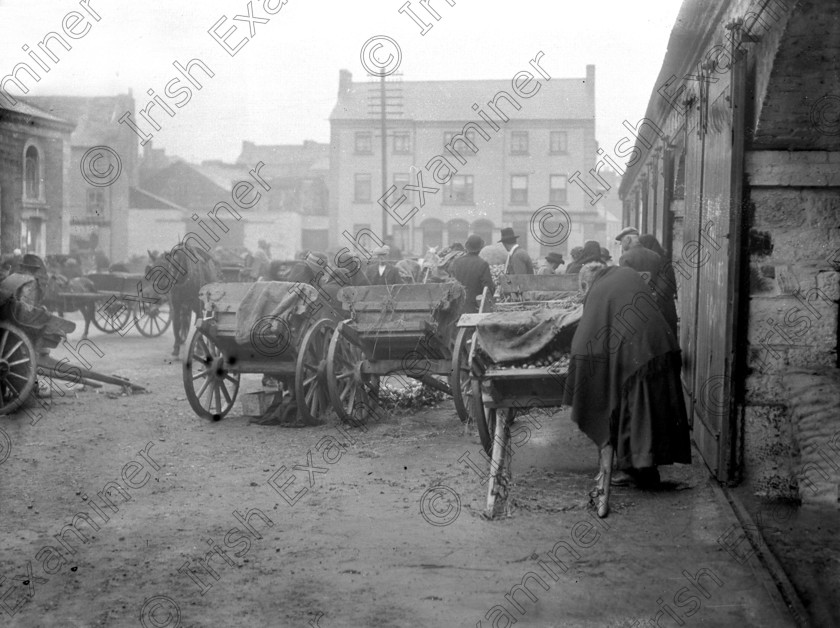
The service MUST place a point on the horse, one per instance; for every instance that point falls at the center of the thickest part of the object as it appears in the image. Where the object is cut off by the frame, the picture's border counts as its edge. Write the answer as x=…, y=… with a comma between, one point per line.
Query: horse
x=181, y=273
x=58, y=283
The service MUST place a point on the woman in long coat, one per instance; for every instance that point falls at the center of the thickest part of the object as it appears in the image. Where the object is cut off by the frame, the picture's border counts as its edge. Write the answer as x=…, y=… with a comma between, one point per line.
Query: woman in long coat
x=623, y=383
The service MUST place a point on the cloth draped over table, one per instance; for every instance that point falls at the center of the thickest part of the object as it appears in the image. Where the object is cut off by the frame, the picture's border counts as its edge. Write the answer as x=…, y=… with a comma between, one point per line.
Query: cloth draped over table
x=623, y=383
x=518, y=335
x=277, y=299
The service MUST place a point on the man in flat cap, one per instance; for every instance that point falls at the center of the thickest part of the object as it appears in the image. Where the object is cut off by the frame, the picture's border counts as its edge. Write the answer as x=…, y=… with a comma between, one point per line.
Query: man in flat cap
x=553, y=263
x=518, y=260
x=380, y=272
x=624, y=234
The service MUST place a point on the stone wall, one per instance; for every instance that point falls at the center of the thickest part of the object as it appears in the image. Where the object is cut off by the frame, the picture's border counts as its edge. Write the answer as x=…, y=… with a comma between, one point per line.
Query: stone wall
x=794, y=289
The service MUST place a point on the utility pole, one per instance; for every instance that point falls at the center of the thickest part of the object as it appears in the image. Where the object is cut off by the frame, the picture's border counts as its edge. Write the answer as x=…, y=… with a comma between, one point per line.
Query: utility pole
x=387, y=103
x=383, y=128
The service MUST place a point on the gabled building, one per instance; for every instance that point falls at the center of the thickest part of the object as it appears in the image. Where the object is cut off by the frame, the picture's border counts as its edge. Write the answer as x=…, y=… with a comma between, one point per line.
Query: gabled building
x=492, y=153
x=97, y=208
x=34, y=187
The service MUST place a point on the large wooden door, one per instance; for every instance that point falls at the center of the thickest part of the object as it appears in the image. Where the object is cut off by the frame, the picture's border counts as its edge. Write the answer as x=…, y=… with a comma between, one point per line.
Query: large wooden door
x=710, y=256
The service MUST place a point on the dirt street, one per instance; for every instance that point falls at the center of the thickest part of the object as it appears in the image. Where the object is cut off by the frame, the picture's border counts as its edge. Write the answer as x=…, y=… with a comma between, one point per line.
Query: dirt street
x=319, y=527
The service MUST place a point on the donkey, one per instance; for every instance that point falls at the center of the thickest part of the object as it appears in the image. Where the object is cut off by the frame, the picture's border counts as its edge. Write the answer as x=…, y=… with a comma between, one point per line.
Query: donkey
x=182, y=272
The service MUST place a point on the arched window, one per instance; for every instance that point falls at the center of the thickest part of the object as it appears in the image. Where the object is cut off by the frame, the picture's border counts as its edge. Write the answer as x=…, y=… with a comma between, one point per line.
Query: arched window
x=32, y=173
x=484, y=228
x=432, y=233
x=458, y=230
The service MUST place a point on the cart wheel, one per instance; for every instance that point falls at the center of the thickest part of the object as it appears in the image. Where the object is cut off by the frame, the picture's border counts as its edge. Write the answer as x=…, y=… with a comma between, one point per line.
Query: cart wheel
x=311, y=372
x=155, y=319
x=17, y=367
x=210, y=385
x=111, y=318
x=352, y=393
x=459, y=376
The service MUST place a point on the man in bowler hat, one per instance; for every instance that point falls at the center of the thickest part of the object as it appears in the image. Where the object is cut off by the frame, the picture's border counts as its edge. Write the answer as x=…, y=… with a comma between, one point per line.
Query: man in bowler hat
x=518, y=261
x=473, y=273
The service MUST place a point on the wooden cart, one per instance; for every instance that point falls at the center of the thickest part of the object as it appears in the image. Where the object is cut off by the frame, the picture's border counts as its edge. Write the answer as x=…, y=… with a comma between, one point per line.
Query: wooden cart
x=27, y=332
x=403, y=329
x=293, y=353
x=117, y=302
x=503, y=390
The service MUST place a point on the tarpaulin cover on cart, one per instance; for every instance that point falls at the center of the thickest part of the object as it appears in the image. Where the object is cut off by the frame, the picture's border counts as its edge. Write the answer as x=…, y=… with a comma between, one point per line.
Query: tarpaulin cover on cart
x=519, y=335
x=275, y=299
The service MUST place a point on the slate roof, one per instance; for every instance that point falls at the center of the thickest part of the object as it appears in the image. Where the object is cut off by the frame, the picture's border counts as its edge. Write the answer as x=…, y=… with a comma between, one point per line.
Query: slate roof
x=96, y=118
x=143, y=199
x=28, y=109
x=287, y=160
x=452, y=100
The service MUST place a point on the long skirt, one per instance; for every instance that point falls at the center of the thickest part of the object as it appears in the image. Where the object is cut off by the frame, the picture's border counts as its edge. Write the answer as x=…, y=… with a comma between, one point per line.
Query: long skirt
x=650, y=427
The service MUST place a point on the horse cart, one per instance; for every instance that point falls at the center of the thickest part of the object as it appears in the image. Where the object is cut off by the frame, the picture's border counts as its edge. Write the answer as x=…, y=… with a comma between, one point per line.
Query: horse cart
x=113, y=302
x=518, y=361
x=27, y=332
x=401, y=329
x=278, y=329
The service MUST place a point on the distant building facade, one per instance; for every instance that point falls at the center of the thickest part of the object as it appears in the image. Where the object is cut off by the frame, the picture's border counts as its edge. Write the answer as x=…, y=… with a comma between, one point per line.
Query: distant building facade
x=494, y=152
x=34, y=153
x=275, y=193
x=97, y=215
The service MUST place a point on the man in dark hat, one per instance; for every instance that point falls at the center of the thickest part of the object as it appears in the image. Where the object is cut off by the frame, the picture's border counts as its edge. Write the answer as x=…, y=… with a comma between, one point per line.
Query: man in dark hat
x=473, y=273
x=591, y=253
x=553, y=262
x=518, y=260
x=606, y=257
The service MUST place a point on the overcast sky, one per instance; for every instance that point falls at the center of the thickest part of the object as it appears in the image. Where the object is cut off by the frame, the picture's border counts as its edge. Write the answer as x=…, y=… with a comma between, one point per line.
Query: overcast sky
x=281, y=86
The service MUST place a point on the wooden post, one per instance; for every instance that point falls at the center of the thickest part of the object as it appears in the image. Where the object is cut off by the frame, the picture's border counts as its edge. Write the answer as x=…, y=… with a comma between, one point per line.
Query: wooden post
x=500, y=476
x=606, y=459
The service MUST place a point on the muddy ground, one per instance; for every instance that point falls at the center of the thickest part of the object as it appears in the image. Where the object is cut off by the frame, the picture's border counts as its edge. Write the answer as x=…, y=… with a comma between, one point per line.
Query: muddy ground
x=360, y=542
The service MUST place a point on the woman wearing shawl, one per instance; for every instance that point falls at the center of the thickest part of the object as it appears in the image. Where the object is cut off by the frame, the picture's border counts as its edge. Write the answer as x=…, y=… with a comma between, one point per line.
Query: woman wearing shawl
x=623, y=383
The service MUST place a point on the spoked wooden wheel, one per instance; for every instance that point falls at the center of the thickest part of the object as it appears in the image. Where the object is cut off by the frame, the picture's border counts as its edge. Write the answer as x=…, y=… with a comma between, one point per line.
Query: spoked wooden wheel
x=352, y=393
x=459, y=376
x=311, y=394
x=17, y=367
x=111, y=317
x=210, y=385
x=152, y=319
x=485, y=419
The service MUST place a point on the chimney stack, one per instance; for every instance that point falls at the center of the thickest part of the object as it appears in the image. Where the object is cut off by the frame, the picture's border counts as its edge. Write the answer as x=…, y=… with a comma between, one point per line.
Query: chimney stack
x=345, y=80
x=590, y=83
